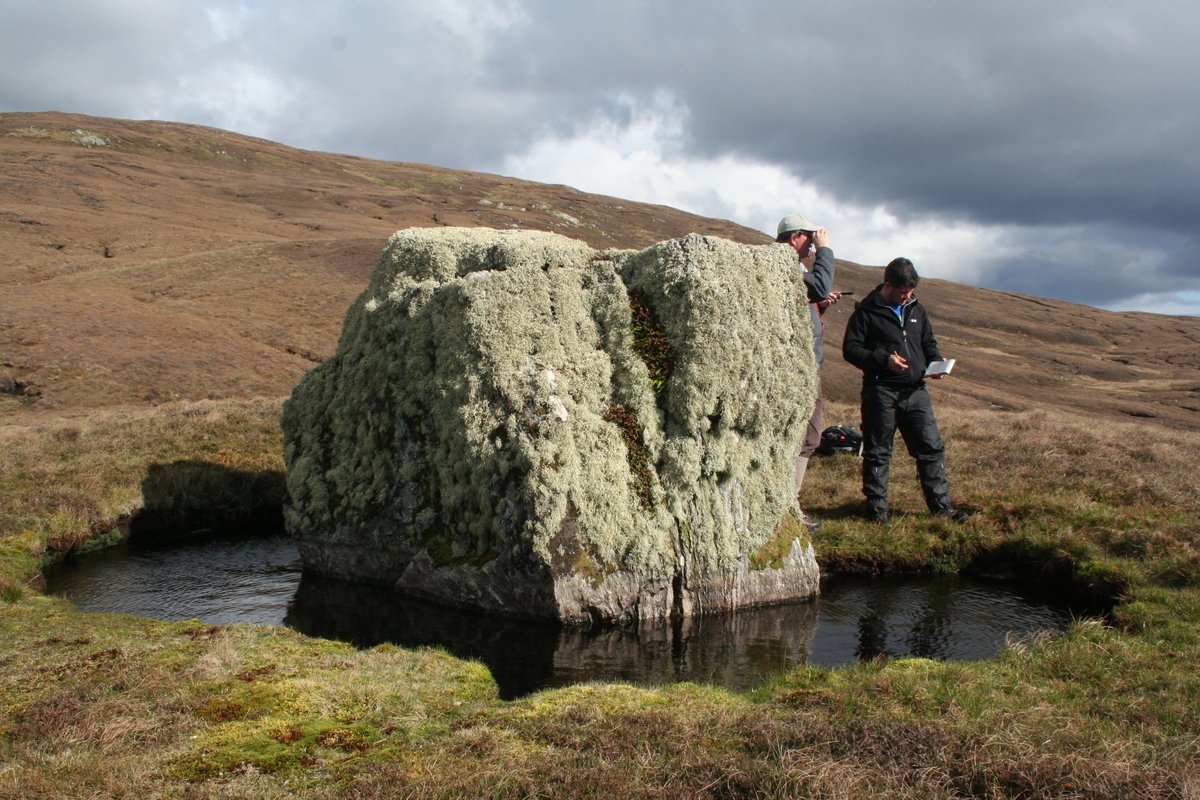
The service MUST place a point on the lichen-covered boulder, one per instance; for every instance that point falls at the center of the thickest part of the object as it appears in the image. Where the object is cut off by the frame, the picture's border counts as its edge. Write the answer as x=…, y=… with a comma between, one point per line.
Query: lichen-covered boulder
x=518, y=423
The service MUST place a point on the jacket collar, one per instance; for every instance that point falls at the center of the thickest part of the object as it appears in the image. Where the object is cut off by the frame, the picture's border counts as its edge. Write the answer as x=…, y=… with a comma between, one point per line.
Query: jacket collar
x=876, y=298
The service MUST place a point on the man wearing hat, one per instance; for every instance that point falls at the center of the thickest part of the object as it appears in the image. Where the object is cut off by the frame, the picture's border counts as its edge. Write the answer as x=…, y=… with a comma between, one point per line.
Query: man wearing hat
x=802, y=235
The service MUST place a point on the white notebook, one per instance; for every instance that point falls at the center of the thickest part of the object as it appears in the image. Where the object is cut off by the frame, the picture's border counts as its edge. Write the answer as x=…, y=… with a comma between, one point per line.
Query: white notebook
x=942, y=367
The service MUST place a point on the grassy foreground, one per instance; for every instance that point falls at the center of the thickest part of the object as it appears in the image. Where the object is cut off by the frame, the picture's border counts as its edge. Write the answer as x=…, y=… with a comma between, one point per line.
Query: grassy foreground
x=111, y=706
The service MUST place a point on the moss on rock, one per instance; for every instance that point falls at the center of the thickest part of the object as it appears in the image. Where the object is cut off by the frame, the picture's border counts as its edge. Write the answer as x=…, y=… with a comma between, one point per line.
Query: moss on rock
x=462, y=443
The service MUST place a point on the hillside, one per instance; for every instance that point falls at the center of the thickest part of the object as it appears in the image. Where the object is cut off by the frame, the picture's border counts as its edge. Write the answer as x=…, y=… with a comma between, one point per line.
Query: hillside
x=147, y=262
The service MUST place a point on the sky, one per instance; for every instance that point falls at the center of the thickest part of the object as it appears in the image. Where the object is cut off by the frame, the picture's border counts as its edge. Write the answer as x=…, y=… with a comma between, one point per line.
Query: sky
x=1047, y=148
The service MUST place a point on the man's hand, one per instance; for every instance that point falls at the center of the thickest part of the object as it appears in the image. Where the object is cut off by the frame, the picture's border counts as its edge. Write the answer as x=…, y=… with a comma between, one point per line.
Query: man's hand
x=820, y=237
x=897, y=363
x=829, y=300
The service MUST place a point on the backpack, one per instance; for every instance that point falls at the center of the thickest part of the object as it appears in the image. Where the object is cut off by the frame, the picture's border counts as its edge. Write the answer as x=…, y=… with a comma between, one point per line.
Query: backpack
x=840, y=439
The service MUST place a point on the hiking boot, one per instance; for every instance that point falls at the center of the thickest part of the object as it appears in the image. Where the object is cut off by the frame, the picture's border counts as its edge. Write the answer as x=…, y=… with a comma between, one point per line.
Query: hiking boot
x=878, y=515
x=954, y=514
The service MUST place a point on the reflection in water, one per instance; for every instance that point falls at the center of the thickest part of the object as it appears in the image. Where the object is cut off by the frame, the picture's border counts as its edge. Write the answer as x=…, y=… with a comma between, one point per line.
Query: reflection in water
x=945, y=617
x=224, y=580
x=738, y=651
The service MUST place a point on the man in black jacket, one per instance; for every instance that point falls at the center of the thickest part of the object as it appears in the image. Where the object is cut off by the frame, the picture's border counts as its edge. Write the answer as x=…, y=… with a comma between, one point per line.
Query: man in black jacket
x=889, y=337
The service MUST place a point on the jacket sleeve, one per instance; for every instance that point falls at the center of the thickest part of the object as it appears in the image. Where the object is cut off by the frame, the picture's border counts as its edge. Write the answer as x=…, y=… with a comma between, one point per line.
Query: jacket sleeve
x=819, y=281
x=855, y=347
x=929, y=345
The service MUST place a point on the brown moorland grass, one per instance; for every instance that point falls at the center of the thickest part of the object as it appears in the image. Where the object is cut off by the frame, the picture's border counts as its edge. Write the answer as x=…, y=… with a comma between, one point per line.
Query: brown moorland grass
x=1070, y=431
x=176, y=262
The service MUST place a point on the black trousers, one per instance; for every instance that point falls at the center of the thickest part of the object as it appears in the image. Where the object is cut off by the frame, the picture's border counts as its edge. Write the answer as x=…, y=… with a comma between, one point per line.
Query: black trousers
x=909, y=408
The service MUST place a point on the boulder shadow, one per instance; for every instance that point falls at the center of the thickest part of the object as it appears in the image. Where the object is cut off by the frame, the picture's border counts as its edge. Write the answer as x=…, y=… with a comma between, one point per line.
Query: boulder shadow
x=192, y=498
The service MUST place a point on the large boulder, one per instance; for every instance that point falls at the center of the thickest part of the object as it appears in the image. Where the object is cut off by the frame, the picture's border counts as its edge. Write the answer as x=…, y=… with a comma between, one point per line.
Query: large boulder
x=517, y=423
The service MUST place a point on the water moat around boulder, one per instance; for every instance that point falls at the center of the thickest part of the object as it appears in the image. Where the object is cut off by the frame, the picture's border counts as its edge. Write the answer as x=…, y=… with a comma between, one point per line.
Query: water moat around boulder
x=222, y=579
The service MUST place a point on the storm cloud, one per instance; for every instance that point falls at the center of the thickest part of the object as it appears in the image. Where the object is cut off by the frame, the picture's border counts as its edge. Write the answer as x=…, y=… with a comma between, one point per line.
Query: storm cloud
x=1044, y=148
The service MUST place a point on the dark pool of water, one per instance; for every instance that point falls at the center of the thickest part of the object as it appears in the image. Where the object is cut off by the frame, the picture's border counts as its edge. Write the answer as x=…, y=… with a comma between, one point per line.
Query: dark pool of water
x=259, y=580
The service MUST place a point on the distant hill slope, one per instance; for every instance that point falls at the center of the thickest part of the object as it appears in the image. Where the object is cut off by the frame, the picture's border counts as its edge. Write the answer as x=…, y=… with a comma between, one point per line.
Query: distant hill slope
x=150, y=261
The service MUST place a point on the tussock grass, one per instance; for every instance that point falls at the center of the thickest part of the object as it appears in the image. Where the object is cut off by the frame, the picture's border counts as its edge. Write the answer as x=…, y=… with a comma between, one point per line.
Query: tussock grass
x=97, y=705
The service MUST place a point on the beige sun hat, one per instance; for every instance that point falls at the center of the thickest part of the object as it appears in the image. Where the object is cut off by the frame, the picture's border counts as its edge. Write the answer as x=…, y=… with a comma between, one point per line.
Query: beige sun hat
x=795, y=222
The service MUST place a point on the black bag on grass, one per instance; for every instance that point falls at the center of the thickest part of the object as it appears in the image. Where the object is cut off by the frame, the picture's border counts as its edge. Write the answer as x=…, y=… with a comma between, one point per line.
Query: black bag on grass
x=840, y=439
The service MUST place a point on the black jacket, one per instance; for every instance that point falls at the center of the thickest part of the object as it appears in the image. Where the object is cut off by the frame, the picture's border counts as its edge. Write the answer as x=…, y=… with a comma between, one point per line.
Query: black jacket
x=874, y=332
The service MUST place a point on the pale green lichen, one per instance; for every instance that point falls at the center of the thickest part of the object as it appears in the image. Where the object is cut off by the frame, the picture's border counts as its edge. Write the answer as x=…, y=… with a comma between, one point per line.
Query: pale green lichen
x=741, y=390
x=467, y=411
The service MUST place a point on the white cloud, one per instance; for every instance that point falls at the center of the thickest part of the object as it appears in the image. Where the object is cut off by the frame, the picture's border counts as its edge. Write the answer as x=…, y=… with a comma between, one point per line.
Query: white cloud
x=999, y=160
x=639, y=152
x=228, y=23
x=238, y=96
